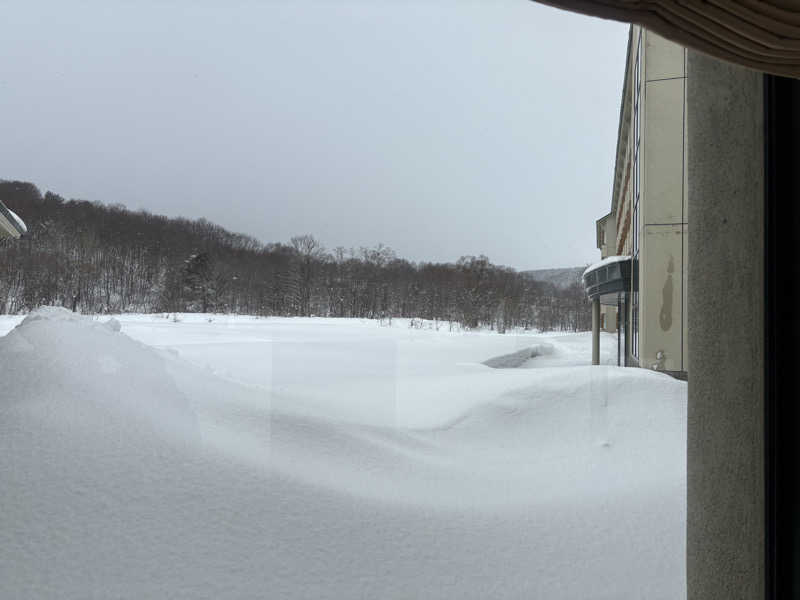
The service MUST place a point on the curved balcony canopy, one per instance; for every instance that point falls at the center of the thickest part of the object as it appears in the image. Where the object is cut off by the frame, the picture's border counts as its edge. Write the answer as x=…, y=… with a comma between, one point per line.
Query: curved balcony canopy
x=609, y=276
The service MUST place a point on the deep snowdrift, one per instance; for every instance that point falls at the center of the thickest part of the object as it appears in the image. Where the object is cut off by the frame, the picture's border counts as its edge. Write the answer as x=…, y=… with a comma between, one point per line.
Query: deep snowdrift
x=127, y=471
x=519, y=358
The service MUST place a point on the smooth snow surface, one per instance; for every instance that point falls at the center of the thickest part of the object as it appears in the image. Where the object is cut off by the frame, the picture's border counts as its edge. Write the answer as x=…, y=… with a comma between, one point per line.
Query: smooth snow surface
x=203, y=456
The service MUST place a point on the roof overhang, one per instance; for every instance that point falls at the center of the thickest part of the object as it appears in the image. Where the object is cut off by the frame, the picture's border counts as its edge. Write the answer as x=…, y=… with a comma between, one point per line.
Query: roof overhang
x=759, y=34
x=609, y=276
x=10, y=224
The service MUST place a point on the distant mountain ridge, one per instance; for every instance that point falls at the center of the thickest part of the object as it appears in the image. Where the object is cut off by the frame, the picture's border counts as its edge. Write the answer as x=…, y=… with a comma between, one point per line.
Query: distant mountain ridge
x=561, y=278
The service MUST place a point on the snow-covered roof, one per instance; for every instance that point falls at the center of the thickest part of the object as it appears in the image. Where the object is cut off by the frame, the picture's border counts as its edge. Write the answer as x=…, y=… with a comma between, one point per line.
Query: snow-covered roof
x=609, y=260
x=10, y=223
x=19, y=221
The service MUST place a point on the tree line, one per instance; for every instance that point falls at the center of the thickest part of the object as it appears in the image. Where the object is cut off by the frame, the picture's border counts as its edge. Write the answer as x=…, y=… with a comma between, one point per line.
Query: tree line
x=97, y=258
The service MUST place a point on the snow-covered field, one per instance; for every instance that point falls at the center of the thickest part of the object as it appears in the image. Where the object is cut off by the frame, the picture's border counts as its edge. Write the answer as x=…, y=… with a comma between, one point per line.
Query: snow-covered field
x=236, y=457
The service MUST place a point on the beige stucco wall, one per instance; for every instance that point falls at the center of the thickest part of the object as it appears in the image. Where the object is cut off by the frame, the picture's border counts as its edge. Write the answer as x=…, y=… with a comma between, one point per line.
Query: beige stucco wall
x=608, y=311
x=663, y=258
x=609, y=248
x=609, y=318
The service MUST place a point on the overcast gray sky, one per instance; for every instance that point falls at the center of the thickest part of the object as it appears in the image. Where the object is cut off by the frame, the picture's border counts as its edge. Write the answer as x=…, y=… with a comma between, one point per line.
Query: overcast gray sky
x=439, y=128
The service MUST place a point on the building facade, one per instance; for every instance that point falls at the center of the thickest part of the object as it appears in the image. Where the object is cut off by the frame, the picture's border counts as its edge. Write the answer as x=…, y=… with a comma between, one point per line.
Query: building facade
x=648, y=219
x=610, y=307
x=10, y=224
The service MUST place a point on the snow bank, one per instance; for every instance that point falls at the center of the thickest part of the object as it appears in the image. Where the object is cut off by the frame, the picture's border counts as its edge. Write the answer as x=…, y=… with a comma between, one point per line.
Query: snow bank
x=519, y=358
x=128, y=471
x=70, y=369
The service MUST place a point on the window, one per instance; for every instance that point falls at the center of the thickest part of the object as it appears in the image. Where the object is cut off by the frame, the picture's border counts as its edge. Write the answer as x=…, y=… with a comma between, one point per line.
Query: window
x=637, y=215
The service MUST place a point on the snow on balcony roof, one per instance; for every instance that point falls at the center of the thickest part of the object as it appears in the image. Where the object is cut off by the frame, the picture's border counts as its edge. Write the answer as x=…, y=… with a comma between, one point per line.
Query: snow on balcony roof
x=19, y=221
x=606, y=261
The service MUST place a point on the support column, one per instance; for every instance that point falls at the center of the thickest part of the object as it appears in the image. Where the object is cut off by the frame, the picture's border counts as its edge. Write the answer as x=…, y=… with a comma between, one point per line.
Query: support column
x=626, y=319
x=596, y=331
x=619, y=330
x=725, y=477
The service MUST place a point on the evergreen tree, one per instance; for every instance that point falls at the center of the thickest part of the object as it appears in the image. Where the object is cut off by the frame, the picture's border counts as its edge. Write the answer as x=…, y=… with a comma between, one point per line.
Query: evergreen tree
x=198, y=280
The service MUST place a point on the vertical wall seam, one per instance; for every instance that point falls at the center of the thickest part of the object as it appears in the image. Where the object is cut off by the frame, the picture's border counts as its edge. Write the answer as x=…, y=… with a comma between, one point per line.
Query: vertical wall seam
x=684, y=280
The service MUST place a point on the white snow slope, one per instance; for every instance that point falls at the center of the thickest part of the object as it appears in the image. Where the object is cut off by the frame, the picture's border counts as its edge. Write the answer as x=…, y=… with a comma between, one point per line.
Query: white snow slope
x=221, y=457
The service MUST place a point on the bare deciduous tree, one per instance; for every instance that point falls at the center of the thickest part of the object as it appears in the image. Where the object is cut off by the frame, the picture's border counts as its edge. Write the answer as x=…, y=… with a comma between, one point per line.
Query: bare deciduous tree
x=99, y=258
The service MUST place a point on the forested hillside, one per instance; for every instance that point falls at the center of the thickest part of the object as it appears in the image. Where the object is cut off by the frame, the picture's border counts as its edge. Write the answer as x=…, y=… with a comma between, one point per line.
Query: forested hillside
x=97, y=258
x=561, y=278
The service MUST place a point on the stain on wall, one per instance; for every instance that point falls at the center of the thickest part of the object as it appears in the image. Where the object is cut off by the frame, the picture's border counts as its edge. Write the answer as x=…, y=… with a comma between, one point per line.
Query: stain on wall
x=665, y=316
